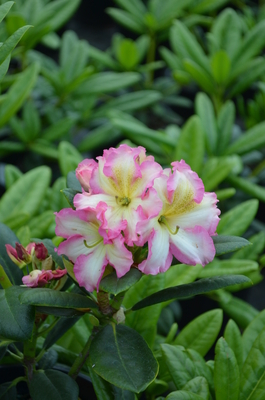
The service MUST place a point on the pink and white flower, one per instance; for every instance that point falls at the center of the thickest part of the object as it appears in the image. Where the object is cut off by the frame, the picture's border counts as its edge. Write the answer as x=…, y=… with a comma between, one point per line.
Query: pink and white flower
x=122, y=179
x=89, y=247
x=185, y=224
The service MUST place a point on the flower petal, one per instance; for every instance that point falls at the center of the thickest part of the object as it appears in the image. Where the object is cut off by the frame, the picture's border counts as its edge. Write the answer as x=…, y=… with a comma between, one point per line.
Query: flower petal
x=88, y=269
x=73, y=247
x=119, y=257
x=71, y=222
x=159, y=256
x=192, y=246
x=84, y=171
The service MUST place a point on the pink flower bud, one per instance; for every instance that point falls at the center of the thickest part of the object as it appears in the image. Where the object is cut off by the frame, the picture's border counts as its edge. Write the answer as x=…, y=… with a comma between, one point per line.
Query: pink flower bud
x=23, y=254
x=40, y=251
x=39, y=278
x=84, y=172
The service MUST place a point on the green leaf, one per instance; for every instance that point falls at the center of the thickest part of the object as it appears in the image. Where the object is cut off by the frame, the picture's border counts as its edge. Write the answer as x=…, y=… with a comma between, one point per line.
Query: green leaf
x=54, y=385
x=69, y=157
x=252, y=384
x=227, y=267
x=61, y=327
x=204, y=109
x=4, y=9
x=227, y=244
x=233, y=338
x=238, y=219
x=225, y=121
x=72, y=182
x=185, y=45
x=126, y=19
x=26, y=194
x=207, y=326
x=190, y=289
x=252, y=331
x=190, y=145
x=181, y=273
x=202, y=369
x=254, y=71
x=221, y=65
x=239, y=310
x=11, y=43
x=144, y=321
x=216, y=169
x=224, y=194
x=69, y=195
x=248, y=187
x=54, y=298
x=114, y=285
x=12, y=174
x=251, y=253
x=58, y=129
x=133, y=364
x=102, y=134
x=57, y=199
x=253, y=139
x=135, y=7
x=184, y=395
x=39, y=225
x=199, y=386
x=127, y=53
x=18, y=92
x=199, y=75
x=105, y=82
x=17, y=320
x=226, y=372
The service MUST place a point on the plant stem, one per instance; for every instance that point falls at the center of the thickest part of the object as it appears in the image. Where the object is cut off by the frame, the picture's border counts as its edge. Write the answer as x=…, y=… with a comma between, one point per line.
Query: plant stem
x=81, y=359
x=29, y=355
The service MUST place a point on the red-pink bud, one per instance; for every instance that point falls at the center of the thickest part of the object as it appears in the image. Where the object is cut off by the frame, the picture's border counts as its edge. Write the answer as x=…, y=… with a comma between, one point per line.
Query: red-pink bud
x=41, y=251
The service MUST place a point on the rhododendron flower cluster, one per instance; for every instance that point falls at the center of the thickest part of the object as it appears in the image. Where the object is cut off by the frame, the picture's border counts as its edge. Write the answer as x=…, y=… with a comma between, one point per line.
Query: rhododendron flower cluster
x=129, y=201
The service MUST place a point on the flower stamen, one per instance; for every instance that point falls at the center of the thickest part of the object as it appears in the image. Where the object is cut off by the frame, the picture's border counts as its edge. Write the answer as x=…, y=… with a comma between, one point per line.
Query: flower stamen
x=123, y=201
x=163, y=220
x=92, y=245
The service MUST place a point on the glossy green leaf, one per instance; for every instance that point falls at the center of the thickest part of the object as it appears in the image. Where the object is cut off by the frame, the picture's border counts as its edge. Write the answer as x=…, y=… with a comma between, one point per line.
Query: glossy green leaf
x=238, y=219
x=12, y=174
x=224, y=194
x=204, y=109
x=248, y=187
x=72, y=182
x=133, y=364
x=7, y=236
x=206, y=5
x=69, y=195
x=26, y=194
x=227, y=244
x=126, y=19
x=202, y=369
x=216, y=169
x=190, y=289
x=11, y=43
x=17, y=320
x=127, y=53
x=114, y=285
x=54, y=298
x=229, y=267
x=184, y=395
x=135, y=7
x=54, y=385
x=69, y=157
x=181, y=273
x=253, y=139
x=57, y=200
x=40, y=224
x=61, y=327
x=221, y=66
x=190, y=145
x=251, y=253
x=207, y=326
x=252, y=384
x=105, y=82
x=4, y=68
x=252, y=331
x=102, y=134
x=199, y=75
x=226, y=372
x=58, y=129
x=225, y=121
x=233, y=338
x=239, y=310
x=4, y=8
x=199, y=386
x=255, y=70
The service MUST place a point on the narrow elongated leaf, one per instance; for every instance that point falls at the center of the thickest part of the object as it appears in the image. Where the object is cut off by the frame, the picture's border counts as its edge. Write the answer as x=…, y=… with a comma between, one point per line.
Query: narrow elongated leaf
x=4, y=8
x=133, y=364
x=17, y=320
x=11, y=43
x=225, y=121
x=204, y=109
x=181, y=273
x=26, y=194
x=227, y=244
x=62, y=326
x=54, y=385
x=252, y=331
x=199, y=386
x=227, y=267
x=69, y=157
x=53, y=298
x=102, y=134
x=253, y=139
x=221, y=65
x=252, y=384
x=184, y=395
x=199, y=75
x=248, y=187
x=18, y=92
x=202, y=368
x=226, y=372
x=207, y=327
x=12, y=174
x=105, y=82
x=238, y=219
x=191, y=144
x=58, y=129
x=233, y=338
x=191, y=289
x=126, y=19
x=114, y=285
x=252, y=253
